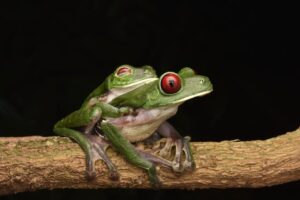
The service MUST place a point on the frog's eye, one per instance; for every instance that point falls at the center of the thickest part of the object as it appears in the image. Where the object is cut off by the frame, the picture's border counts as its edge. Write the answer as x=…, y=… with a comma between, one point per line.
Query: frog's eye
x=123, y=71
x=170, y=83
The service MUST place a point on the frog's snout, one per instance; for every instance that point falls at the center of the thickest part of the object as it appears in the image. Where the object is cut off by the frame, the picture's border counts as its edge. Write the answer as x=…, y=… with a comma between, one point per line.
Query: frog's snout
x=206, y=82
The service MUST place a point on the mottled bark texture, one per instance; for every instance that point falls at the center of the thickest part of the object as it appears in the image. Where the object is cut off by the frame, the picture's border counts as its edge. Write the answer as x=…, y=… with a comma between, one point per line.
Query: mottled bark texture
x=32, y=163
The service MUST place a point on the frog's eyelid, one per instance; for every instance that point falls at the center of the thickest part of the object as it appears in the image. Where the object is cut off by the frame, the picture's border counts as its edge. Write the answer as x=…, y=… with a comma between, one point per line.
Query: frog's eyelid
x=123, y=71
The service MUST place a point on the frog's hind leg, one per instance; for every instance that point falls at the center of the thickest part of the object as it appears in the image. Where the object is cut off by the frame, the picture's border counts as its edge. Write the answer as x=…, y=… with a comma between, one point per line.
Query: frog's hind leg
x=121, y=144
x=174, y=139
x=93, y=145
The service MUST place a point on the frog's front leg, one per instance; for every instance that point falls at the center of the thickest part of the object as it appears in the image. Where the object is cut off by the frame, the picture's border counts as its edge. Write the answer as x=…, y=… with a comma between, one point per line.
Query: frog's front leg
x=181, y=145
x=130, y=153
x=94, y=146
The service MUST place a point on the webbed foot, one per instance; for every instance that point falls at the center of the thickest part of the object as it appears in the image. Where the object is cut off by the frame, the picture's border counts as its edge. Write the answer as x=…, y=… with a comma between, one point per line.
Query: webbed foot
x=98, y=152
x=180, y=145
x=181, y=162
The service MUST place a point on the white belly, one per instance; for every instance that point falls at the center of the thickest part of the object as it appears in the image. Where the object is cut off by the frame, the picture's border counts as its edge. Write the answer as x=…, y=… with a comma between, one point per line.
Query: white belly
x=142, y=125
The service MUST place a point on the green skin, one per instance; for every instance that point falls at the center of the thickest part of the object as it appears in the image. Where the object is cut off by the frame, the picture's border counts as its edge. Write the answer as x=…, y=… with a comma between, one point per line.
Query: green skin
x=133, y=107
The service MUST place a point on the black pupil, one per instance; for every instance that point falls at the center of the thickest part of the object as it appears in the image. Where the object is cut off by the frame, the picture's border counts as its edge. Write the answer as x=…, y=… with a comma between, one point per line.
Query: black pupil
x=172, y=82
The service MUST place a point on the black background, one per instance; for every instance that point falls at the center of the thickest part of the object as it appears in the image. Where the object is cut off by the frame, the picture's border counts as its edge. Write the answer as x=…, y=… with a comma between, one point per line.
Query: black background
x=53, y=54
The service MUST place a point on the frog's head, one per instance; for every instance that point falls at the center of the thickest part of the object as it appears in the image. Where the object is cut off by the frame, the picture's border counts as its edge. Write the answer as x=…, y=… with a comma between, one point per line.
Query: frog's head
x=175, y=88
x=127, y=76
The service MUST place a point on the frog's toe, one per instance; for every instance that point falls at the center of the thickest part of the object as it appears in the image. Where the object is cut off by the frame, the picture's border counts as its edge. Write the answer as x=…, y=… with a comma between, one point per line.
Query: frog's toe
x=188, y=163
x=154, y=180
x=156, y=183
x=176, y=166
x=90, y=175
x=166, y=151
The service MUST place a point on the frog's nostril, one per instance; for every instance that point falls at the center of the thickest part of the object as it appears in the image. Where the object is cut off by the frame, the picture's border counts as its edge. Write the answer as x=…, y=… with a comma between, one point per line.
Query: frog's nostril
x=202, y=81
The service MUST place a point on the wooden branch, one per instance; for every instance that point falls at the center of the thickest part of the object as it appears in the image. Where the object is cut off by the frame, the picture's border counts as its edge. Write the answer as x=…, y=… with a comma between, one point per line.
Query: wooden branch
x=32, y=163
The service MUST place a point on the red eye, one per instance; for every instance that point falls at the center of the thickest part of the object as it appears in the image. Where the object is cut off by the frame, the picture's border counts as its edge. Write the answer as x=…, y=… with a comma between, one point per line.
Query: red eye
x=170, y=83
x=123, y=71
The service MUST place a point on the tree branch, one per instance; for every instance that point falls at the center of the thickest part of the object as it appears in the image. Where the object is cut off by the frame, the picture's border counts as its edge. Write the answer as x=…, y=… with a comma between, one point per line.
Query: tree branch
x=32, y=163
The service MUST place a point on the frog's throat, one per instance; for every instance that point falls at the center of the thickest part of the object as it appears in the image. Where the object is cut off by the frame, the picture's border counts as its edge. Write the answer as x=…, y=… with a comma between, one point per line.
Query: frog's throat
x=192, y=96
x=138, y=83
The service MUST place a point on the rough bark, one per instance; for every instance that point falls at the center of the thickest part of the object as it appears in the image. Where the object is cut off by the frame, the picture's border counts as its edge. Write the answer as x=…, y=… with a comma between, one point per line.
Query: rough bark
x=32, y=163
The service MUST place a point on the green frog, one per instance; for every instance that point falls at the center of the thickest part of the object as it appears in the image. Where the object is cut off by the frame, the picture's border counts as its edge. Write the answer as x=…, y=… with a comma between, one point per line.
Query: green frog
x=132, y=105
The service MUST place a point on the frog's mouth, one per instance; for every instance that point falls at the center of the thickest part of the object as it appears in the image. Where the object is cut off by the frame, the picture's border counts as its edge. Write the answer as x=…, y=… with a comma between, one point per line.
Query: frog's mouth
x=200, y=94
x=193, y=96
x=118, y=91
x=138, y=83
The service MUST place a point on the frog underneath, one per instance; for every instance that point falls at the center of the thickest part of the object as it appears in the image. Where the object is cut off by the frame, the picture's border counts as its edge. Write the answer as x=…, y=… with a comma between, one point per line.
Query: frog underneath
x=131, y=105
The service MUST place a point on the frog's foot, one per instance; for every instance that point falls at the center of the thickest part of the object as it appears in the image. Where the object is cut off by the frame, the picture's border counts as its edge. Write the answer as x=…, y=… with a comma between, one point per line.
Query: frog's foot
x=180, y=145
x=173, y=140
x=98, y=152
x=166, y=152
